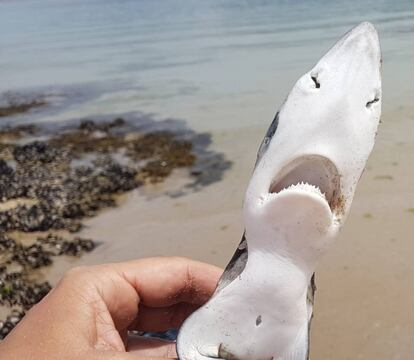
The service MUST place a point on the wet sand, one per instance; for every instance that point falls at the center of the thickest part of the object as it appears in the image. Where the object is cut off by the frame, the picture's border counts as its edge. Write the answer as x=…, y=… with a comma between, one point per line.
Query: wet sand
x=365, y=288
x=365, y=283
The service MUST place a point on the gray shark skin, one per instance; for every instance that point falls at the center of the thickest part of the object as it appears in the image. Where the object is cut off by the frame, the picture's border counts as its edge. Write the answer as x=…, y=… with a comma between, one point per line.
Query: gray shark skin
x=298, y=198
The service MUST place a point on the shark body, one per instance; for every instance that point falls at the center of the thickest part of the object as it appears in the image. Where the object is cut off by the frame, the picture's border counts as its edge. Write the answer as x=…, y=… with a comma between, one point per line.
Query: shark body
x=298, y=198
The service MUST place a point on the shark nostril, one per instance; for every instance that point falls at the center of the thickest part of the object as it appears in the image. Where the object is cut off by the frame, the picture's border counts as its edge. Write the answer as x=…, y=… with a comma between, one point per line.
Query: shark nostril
x=372, y=102
x=314, y=78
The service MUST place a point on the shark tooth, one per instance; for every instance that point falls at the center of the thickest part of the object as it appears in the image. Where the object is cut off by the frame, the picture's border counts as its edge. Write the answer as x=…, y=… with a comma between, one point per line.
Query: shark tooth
x=297, y=200
x=304, y=186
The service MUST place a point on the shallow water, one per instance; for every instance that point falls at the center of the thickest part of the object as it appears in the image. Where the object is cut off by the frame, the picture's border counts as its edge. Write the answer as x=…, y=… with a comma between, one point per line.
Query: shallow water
x=216, y=64
x=223, y=65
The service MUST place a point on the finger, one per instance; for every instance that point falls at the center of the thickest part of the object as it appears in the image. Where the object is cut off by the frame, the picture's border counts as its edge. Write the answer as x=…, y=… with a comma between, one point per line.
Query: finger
x=149, y=347
x=108, y=302
x=162, y=319
x=113, y=291
x=113, y=355
x=168, y=281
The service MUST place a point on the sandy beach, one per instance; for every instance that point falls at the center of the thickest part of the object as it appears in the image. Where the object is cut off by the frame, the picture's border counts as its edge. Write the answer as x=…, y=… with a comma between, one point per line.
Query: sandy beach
x=365, y=288
x=223, y=68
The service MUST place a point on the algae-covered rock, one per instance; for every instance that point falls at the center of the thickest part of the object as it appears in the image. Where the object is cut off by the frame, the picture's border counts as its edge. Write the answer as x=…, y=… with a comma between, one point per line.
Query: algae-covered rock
x=51, y=182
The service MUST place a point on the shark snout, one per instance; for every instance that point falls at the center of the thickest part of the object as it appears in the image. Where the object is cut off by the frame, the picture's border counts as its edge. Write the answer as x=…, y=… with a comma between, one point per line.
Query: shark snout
x=352, y=65
x=360, y=42
x=364, y=32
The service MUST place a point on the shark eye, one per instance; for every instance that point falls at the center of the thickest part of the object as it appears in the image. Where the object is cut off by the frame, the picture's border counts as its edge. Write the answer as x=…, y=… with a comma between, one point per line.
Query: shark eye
x=314, y=78
x=373, y=101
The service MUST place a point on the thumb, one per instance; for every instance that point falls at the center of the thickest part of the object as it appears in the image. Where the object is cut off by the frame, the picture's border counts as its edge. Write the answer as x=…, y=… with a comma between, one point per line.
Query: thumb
x=114, y=355
x=151, y=347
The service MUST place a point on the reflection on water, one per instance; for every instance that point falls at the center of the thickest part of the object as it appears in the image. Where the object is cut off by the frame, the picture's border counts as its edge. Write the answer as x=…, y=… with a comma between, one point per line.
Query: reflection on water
x=216, y=63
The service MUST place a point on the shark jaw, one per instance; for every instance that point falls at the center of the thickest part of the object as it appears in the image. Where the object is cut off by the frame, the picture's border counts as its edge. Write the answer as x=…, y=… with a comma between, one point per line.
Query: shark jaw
x=312, y=174
x=298, y=198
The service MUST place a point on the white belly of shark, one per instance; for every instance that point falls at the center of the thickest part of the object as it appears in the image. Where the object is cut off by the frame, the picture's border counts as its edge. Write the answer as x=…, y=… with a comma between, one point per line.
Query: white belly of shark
x=302, y=187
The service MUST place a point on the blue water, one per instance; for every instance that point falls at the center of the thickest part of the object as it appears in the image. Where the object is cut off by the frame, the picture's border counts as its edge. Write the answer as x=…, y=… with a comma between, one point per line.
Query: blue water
x=217, y=64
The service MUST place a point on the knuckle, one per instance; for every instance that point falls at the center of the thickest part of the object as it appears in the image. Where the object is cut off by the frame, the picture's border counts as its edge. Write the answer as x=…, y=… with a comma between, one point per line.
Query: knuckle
x=77, y=271
x=76, y=275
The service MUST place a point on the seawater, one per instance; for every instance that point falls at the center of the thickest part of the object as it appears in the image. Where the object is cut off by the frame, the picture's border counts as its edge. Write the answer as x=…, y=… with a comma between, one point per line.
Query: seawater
x=215, y=64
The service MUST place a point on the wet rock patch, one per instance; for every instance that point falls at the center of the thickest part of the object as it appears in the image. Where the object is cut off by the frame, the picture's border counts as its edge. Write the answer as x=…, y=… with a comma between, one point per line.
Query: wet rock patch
x=13, y=104
x=50, y=182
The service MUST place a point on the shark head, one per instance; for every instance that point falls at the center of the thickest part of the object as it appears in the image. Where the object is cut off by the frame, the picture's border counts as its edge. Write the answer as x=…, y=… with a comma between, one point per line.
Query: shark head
x=300, y=193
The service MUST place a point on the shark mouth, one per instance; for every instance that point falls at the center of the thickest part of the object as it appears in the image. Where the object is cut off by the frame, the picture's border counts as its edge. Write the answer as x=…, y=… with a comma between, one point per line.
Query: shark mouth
x=311, y=174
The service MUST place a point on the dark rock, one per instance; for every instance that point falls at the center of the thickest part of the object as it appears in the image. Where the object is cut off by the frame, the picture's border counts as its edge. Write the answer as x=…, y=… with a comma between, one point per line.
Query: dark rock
x=36, y=152
x=12, y=320
x=19, y=104
x=59, y=181
x=17, y=290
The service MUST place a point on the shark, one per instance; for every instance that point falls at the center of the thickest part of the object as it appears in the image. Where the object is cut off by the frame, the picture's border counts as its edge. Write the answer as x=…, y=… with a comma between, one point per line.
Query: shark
x=300, y=193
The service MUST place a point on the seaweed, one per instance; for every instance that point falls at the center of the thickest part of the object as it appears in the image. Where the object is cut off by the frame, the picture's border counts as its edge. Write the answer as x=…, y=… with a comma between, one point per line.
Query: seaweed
x=15, y=104
x=51, y=185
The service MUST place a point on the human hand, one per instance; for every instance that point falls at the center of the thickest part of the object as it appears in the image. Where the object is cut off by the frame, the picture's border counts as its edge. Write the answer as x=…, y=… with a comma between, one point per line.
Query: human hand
x=89, y=313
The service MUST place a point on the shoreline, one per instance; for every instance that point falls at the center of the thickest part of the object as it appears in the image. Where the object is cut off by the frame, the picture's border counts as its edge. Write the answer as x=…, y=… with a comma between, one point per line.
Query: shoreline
x=366, y=272
x=51, y=183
